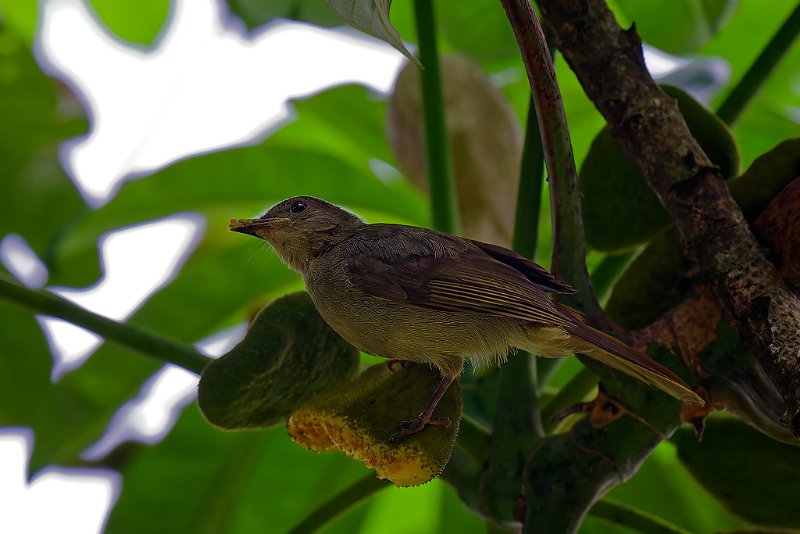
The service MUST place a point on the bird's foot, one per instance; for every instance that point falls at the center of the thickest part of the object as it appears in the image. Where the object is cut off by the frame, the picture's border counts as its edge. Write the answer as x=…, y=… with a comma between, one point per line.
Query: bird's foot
x=404, y=364
x=415, y=425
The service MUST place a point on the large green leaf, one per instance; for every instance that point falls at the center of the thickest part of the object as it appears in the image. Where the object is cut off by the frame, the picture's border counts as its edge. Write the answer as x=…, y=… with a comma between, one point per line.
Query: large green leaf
x=620, y=210
x=288, y=356
x=485, y=143
x=664, y=488
x=135, y=21
x=37, y=198
x=203, y=480
x=676, y=26
x=753, y=476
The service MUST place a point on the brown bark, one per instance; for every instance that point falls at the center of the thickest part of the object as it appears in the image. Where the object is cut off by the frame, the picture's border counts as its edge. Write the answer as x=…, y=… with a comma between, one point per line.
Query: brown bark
x=609, y=64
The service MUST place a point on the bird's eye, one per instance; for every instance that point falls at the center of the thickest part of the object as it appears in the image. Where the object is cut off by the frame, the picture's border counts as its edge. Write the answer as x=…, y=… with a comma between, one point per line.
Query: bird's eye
x=298, y=206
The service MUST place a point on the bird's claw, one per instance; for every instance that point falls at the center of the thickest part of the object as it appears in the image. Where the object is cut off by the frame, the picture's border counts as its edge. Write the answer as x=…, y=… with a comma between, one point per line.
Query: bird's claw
x=404, y=364
x=415, y=425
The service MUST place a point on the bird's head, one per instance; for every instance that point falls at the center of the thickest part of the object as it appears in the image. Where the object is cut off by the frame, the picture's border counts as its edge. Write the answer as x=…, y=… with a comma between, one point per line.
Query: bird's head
x=300, y=228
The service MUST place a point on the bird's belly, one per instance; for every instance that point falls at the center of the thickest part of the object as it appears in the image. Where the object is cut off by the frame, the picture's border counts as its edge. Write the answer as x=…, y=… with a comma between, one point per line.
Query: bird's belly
x=405, y=331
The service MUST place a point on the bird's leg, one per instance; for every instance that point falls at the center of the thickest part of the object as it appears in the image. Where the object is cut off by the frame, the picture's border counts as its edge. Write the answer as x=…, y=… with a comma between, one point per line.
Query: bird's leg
x=425, y=417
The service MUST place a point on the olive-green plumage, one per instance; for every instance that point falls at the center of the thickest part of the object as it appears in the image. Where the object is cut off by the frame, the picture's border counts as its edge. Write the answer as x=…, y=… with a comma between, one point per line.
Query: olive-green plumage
x=419, y=295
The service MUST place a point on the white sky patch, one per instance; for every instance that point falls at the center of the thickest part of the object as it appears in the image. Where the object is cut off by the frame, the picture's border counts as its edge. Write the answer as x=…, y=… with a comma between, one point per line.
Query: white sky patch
x=138, y=261
x=660, y=63
x=78, y=500
x=22, y=261
x=206, y=84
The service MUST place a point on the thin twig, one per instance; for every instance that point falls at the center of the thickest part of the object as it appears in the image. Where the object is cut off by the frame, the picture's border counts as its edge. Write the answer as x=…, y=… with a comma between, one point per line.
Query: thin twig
x=529, y=192
x=134, y=337
x=569, y=257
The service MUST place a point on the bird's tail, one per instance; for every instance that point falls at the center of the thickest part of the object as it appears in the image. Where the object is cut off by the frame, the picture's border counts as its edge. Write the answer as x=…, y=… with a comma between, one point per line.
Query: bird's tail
x=612, y=352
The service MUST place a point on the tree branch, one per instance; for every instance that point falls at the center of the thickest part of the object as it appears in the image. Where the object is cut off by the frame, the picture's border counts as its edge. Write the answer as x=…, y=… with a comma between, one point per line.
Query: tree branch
x=609, y=64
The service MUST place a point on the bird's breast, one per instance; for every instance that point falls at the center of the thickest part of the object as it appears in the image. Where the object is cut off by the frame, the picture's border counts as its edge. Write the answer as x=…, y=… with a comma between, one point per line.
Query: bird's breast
x=405, y=331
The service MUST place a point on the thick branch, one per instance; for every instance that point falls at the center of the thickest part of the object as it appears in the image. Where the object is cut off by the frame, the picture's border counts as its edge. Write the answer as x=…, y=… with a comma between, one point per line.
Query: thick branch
x=609, y=63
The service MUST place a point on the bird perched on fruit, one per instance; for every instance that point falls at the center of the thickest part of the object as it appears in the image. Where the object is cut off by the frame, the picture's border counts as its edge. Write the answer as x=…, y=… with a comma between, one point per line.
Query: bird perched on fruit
x=414, y=294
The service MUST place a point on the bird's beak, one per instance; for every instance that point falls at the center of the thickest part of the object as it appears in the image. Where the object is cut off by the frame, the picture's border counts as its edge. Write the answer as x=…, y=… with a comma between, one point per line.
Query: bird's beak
x=257, y=227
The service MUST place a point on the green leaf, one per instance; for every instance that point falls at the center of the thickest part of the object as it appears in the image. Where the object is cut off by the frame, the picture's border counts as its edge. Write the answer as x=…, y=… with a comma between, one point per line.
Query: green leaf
x=202, y=480
x=665, y=488
x=372, y=18
x=38, y=114
x=652, y=284
x=255, y=13
x=766, y=177
x=752, y=475
x=620, y=211
x=485, y=142
x=633, y=518
x=135, y=21
x=657, y=21
x=20, y=16
x=288, y=356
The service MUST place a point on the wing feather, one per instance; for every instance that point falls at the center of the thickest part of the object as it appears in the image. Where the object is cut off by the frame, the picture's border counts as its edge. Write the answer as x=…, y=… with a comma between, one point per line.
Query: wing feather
x=463, y=278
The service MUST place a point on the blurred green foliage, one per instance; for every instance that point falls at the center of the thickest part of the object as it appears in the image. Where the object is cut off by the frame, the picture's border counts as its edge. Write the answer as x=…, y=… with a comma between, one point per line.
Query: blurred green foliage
x=200, y=479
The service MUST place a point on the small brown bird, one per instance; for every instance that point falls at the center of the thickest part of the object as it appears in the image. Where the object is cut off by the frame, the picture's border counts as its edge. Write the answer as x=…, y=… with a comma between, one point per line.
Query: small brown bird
x=419, y=295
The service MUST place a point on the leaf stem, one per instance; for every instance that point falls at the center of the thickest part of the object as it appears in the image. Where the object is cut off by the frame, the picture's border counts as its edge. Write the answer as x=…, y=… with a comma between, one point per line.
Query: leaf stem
x=633, y=518
x=573, y=392
x=340, y=503
x=442, y=188
x=569, y=257
x=136, y=338
x=529, y=192
x=737, y=100
x=515, y=432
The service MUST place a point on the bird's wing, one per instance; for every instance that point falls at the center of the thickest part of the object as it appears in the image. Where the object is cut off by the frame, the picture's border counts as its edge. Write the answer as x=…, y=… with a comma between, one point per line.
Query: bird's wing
x=538, y=275
x=461, y=278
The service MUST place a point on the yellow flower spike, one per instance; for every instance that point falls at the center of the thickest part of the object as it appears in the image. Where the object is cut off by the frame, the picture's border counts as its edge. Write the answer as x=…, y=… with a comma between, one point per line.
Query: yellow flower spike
x=357, y=419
